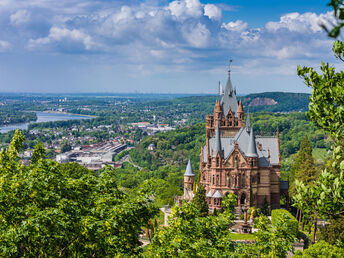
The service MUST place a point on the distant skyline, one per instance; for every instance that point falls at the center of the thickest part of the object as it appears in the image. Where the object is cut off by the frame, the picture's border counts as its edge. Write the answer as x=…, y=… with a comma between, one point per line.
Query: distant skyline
x=49, y=46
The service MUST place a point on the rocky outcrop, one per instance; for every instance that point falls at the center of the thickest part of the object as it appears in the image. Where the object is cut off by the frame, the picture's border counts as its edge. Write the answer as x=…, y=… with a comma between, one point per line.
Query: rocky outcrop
x=262, y=102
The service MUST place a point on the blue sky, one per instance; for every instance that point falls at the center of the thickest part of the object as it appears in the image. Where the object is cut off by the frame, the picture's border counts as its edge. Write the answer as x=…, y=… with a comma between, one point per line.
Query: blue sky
x=180, y=46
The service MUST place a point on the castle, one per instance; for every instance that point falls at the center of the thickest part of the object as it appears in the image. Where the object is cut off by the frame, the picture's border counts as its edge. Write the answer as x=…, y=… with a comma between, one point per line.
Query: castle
x=235, y=160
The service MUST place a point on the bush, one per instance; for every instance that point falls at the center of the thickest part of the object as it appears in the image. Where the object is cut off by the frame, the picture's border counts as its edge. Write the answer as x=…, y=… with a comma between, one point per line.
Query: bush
x=289, y=220
x=321, y=250
x=333, y=232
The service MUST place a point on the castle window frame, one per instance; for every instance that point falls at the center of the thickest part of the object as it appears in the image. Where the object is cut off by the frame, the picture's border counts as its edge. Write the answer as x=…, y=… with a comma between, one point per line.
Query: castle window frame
x=236, y=162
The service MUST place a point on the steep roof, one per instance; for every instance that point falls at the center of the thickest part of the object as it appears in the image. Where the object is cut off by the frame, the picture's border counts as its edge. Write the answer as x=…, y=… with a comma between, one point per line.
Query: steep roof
x=243, y=138
x=189, y=170
x=218, y=147
x=217, y=194
x=252, y=148
x=229, y=100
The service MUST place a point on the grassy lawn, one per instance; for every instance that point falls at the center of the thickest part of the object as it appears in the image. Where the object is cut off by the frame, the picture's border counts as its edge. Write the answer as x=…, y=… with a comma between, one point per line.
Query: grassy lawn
x=237, y=236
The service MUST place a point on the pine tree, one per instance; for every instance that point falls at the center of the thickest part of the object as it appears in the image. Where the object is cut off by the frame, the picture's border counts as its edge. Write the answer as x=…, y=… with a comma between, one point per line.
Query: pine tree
x=200, y=202
x=303, y=168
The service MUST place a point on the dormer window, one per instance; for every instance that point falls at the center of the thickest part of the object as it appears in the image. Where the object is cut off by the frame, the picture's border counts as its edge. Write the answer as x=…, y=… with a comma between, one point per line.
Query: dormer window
x=236, y=162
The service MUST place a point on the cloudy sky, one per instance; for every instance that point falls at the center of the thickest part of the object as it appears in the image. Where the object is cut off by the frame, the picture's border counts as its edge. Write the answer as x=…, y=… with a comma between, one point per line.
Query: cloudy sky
x=180, y=46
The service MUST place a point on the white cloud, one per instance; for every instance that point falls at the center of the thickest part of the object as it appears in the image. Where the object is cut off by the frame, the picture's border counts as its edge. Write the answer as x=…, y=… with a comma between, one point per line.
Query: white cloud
x=302, y=23
x=64, y=36
x=235, y=26
x=4, y=46
x=180, y=35
x=198, y=36
x=212, y=11
x=20, y=17
x=184, y=9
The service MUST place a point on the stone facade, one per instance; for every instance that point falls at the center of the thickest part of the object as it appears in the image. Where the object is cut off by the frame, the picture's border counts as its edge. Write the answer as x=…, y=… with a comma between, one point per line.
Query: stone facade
x=235, y=160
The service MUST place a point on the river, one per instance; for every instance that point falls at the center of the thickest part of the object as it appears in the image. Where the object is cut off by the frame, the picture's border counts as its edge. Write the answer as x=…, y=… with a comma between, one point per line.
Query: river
x=43, y=117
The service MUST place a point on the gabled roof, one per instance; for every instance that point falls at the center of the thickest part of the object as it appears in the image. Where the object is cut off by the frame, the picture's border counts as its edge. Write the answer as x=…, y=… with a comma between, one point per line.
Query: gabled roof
x=229, y=100
x=189, y=170
x=217, y=194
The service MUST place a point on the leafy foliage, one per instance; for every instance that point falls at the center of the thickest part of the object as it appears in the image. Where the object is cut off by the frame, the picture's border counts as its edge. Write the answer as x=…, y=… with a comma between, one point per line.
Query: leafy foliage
x=303, y=168
x=191, y=235
x=51, y=209
x=200, y=202
x=276, y=239
x=321, y=249
x=333, y=232
x=291, y=223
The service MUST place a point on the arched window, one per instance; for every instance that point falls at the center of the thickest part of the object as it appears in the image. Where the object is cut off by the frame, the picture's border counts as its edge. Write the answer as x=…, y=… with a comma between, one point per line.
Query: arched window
x=236, y=162
x=243, y=180
x=228, y=180
x=243, y=199
x=213, y=180
x=217, y=162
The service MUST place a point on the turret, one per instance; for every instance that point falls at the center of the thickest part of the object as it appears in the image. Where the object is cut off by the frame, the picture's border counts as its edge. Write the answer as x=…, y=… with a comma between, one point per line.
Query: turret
x=218, y=148
x=241, y=115
x=252, y=149
x=189, y=179
x=217, y=112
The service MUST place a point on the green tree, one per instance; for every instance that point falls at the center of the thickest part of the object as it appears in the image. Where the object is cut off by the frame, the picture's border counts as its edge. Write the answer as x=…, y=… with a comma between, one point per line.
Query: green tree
x=200, y=202
x=276, y=239
x=303, y=168
x=51, y=209
x=190, y=235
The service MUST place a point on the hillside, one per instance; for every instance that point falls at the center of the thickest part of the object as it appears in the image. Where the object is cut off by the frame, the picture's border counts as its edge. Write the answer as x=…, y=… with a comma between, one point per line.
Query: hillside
x=276, y=102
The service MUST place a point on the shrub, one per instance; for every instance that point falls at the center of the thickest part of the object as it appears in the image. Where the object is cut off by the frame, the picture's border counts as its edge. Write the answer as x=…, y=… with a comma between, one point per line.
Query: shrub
x=289, y=220
x=321, y=250
x=333, y=232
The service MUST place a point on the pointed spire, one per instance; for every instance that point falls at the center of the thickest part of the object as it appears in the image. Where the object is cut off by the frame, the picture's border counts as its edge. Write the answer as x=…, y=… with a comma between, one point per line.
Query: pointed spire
x=229, y=67
x=240, y=108
x=217, y=141
x=248, y=122
x=229, y=101
x=220, y=89
x=189, y=170
x=252, y=149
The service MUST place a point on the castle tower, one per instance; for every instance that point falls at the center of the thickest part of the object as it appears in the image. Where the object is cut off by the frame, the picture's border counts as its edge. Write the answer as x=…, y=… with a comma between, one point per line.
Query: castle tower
x=189, y=179
x=234, y=160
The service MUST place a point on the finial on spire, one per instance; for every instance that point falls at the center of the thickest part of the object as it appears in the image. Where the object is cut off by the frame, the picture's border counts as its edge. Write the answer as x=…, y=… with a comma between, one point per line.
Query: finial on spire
x=220, y=89
x=229, y=66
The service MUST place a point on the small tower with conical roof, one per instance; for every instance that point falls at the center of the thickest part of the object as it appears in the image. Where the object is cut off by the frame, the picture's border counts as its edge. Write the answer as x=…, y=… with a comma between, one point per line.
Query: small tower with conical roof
x=189, y=179
x=240, y=112
x=251, y=153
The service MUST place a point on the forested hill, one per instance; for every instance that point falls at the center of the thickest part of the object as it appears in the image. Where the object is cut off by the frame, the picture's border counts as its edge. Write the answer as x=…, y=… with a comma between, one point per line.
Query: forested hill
x=197, y=107
x=276, y=102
